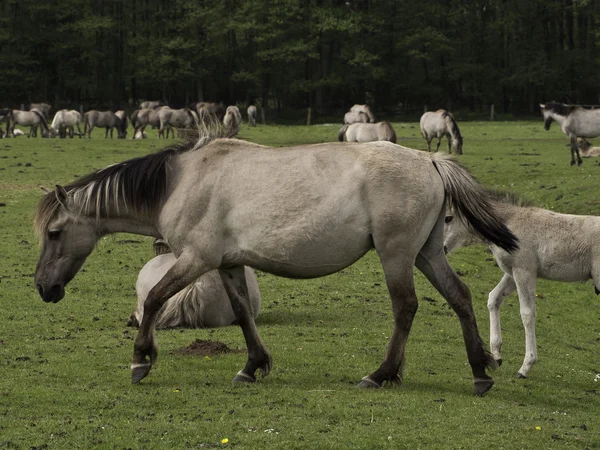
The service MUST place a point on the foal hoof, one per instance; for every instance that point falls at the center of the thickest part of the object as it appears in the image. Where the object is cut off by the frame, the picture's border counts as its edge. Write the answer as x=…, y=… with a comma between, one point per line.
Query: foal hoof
x=520, y=375
x=366, y=382
x=482, y=385
x=139, y=371
x=242, y=377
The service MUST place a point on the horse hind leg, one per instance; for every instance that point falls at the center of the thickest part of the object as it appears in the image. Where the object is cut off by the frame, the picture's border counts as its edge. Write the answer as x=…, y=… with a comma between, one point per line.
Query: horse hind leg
x=234, y=281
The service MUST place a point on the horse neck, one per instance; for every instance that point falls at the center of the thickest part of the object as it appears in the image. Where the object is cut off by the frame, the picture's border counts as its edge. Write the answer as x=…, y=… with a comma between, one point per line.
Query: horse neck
x=110, y=225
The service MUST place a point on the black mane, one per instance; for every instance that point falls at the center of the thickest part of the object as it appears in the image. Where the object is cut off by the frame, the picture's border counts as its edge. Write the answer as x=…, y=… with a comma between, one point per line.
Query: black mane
x=560, y=108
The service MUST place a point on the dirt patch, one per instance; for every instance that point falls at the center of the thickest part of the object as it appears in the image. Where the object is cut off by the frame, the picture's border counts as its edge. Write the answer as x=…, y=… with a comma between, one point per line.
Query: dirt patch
x=201, y=347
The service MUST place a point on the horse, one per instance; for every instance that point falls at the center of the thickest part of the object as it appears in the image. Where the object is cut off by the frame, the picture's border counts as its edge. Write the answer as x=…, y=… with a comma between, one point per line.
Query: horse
x=233, y=118
x=106, y=119
x=175, y=118
x=439, y=124
x=367, y=132
x=202, y=304
x=225, y=203
x=206, y=111
x=552, y=246
x=65, y=122
x=575, y=121
x=44, y=108
x=141, y=118
x=355, y=117
x=364, y=109
x=124, y=123
x=585, y=148
x=150, y=104
x=252, y=115
x=139, y=134
x=32, y=119
x=6, y=116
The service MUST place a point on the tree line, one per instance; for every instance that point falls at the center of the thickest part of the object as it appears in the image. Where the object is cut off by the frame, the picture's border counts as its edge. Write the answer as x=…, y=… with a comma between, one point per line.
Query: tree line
x=286, y=55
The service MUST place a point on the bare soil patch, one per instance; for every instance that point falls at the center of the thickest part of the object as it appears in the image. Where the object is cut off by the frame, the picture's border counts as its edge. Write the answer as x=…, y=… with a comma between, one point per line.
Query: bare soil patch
x=202, y=347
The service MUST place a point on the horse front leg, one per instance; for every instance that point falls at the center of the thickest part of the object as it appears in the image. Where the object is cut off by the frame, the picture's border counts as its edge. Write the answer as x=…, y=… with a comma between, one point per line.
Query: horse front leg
x=145, y=350
x=505, y=287
x=259, y=358
x=526, y=281
x=575, y=151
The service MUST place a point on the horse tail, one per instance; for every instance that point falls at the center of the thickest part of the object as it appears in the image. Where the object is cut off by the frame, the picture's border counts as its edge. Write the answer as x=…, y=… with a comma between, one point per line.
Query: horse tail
x=42, y=119
x=472, y=203
x=342, y=133
x=454, y=131
x=134, y=118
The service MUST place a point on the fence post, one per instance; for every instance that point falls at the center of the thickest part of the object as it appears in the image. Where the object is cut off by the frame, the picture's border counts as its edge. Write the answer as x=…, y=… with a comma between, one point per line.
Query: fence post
x=424, y=109
x=308, y=116
x=492, y=112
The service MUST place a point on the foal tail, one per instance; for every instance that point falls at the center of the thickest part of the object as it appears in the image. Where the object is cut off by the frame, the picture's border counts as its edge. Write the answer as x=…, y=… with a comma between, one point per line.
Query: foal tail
x=472, y=203
x=342, y=133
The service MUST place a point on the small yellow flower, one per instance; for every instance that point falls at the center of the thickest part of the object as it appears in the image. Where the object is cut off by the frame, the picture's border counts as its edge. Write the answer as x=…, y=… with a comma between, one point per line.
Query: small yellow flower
x=538, y=428
x=224, y=441
x=176, y=390
x=207, y=357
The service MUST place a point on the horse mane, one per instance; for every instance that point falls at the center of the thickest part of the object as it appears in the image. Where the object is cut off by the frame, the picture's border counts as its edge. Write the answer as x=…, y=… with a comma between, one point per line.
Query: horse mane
x=509, y=198
x=560, y=108
x=138, y=184
x=454, y=130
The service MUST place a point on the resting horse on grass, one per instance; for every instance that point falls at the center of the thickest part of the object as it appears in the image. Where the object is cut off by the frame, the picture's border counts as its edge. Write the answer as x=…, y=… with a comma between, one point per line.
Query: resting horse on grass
x=553, y=246
x=586, y=148
x=32, y=119
x=106, y=119
x=575, y=121
x=202, y=304
x=298, y=212
x=367, y=132
x=439, y=124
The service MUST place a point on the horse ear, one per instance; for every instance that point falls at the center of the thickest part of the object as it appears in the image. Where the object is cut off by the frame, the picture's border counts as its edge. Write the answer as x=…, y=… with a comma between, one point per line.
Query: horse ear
x=61, y=195
x=44, y=190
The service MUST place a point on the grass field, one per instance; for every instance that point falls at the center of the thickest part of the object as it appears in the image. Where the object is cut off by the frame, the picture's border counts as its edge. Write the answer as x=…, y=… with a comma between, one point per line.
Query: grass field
x=65, y=367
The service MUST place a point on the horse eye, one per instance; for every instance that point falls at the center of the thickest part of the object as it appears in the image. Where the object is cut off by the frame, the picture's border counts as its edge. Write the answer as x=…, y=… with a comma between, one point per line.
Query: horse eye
x=53, y=235
x=449, y=219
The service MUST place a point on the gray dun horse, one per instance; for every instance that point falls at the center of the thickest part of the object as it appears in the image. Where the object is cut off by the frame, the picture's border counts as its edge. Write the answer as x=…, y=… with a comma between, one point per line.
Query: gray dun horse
x=202, y=304
x=575, y=121
x=439, y=124
x=232, y=119
x=207, y=111
x=553, y=246
x=367, y=132
x=150, y=104
x=355, y=117
x=44, y=108
x=364, y=109
x=225, y=204
x=103, y=119
x=65, y=121
x=32, y=119
x=141, y=118
x=252, y=115
x=175, y=118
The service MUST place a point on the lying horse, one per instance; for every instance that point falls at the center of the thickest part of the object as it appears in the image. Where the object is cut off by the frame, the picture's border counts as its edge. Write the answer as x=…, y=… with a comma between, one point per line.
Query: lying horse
x=225, y=204
x=252, y=115
x=553, y=246
x=367, y=132
x=65, y=121
x=364, y=109
x=575, y=121
x=202, y=304
x=355, y=117
x=32, y=119
x=439, y=124
x=232, y=119
x=586, y=149
x=106, y=119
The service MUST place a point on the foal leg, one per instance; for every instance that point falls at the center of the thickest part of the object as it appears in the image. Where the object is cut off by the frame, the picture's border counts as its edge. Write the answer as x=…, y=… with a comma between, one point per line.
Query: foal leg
x=505, y=287
x=525, y=281
x=145, y=350
x=234, y=280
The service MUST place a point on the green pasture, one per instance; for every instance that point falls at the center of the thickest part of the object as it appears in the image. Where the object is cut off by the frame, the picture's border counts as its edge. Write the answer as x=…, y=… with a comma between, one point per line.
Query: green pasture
x=64, y=368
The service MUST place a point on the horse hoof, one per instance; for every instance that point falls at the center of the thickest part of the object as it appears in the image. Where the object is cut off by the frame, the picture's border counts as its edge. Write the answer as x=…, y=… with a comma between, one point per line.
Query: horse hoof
x=499, y=362
x=242, y=377
x=482, y=385
x=520, y=375
x=366, y=382
x=139, y=371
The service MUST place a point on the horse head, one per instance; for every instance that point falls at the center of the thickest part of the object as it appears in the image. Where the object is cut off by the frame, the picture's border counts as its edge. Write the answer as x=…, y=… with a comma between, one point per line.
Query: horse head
x=67, y=239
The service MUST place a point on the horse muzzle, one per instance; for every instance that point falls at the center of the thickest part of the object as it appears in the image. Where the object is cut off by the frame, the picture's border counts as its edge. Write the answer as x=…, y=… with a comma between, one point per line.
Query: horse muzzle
x=53, y=294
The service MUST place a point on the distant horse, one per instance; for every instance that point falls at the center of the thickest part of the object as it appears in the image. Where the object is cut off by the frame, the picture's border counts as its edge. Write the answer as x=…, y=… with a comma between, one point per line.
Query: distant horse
x=553, y=246
x=202, y=304
x=6, y=116
x=225, y=204
x=175, y=118
x=575, y=121
x=103, y=119
x=439, y=124
x=141, y=118
x=65, y=121
x=150, y=105
x=124, y=123
x=367, y=132
x=364, y=109
x=139, y=134
x=45, y=109
x=206, y=111
x=233, y=118
x=32, y=119
x=355, y=117
x=586, y=149
x=252, y=115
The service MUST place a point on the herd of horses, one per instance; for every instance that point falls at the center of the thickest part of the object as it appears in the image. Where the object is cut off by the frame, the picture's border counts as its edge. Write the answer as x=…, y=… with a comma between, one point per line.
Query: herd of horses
x=411, y=207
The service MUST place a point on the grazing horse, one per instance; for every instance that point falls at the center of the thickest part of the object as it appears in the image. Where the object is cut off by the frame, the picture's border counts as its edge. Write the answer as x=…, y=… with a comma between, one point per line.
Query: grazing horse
x=44, y=108
x=355, y=117
x=439, y=124
x=207, y=111
x=575, y=121
x=367, y=132
x=141, y=118
x=175, y=118
x=106, y=119
x=585, y=148
x=202, y=304
x=65, y=121
x=124, y=123
x=252, y=115
x=32, y=119
x=552, y=246
x=150, y=105
x=364, y=109
x=225, y=204
x=232, y=119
